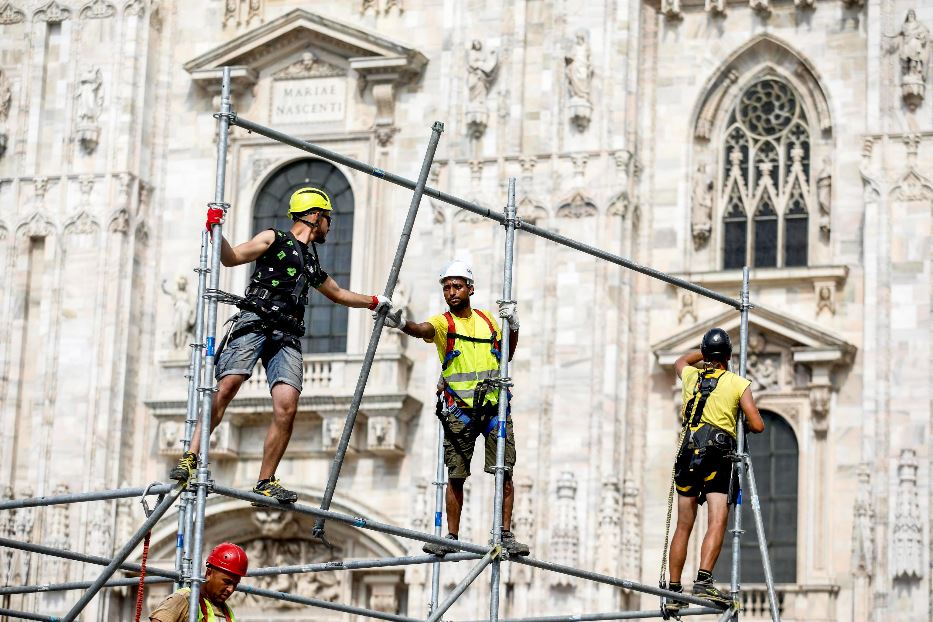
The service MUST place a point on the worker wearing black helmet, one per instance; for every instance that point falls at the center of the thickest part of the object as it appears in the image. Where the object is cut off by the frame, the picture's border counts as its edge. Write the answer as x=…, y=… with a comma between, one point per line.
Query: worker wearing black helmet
x=703, y=470
x=270, y=324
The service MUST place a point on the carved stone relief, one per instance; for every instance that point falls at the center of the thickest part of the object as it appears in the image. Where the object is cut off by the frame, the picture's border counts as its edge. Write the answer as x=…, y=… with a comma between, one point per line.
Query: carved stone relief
x=578, y=69
x=825, y=298
x=523, y=524
x=18, y=525
x=97, y=9
x=6, y=102
x=824, y=195
x=53, y=13
x=10, y=15
x=913, y=51
x=631, y=534
x=610, y=522
x=182, y=312
x=863, y=525
x=701, y=220
x=715, y=7
x=82, y=224
x=38, y=226
x=671, y=10
x=482, y=69
x=89, y=101
x=242, y=12
x=578, y=206
x=565, y=536
x=762, y=7
x=908, y=528
x=57, y=535
x=687, y=307
x=308, y=66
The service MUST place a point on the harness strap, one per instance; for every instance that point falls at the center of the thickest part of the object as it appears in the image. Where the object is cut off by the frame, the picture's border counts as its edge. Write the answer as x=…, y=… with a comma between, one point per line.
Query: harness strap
x=704, y=387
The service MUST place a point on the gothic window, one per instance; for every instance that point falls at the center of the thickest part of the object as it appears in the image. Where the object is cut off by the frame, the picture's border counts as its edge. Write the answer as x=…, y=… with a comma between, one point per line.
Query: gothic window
x=774, y=455
x=766, y=179
x=326, y=322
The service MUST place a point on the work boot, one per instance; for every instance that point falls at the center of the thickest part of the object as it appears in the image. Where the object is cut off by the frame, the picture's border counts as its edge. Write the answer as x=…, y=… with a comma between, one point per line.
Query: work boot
x=706, y=589
x=185, y=467
x=673, y=607
x=440, y=549
x=513, y=546
x=273, y=488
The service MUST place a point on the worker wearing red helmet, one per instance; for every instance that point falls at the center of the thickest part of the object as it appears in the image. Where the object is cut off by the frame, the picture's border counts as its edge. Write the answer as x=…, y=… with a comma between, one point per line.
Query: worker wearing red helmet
x=226, y=565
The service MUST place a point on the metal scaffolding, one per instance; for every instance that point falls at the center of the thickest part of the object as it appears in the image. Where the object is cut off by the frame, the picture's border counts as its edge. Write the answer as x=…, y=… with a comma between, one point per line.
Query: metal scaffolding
x=188, y=569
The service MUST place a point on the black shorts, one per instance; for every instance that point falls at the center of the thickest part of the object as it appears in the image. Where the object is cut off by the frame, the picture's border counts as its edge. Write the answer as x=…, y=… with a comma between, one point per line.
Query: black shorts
x=712, y=472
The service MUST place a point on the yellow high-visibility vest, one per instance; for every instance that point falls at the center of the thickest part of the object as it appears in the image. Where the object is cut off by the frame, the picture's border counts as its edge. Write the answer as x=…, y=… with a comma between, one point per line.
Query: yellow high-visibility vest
x=208, y=608
x=468, y=362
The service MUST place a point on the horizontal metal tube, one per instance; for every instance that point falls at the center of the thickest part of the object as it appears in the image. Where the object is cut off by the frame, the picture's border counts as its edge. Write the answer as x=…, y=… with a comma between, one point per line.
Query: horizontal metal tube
x=624, y=583
x=323, y=604
x=22, y=615
x=613, y=615
x=78, y=585
x=81, y=557
x=356, y=521
x=476, y=209
x=357, y=564
x=77, y=497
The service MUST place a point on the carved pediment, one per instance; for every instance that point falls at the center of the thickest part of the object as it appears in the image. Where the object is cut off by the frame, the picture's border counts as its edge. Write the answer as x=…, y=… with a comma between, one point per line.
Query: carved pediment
x=368, y=53
x=807, y=342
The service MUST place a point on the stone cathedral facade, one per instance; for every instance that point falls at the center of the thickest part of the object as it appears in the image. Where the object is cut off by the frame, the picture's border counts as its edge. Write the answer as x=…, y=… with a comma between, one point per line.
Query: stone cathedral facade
x=795, y=136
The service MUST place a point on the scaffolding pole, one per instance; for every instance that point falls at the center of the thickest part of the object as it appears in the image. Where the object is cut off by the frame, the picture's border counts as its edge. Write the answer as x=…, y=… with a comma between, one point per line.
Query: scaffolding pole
x=210, y=331
x=740, y=443
x=614, y=615
x=182, y=541
x=360, y=564
x=762, y=543
x=368, y=169
x=78, y=497
x=341, y=453
x=23, y=615
x=123, y=553
x=79, y=585
x=322, y=604
x=439, y=483
x=80, y=557
x=356, y=521
x=464, y=584
x=504, y=384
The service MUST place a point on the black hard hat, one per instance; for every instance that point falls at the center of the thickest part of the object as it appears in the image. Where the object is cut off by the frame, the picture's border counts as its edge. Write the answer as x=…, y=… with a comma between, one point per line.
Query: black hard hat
x=716, y=345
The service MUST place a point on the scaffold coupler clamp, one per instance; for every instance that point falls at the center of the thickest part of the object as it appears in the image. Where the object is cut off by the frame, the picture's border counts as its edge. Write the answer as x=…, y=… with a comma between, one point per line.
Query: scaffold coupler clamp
x=148, y=512
x=230, y=116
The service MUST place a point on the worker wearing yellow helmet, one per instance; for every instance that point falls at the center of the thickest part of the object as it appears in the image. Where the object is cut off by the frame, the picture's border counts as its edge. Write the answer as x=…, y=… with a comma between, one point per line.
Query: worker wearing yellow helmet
x=287, y=266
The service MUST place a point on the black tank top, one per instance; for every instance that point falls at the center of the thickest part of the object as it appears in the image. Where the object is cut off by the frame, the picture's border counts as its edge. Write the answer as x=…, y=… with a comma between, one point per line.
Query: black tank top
x=280, y=268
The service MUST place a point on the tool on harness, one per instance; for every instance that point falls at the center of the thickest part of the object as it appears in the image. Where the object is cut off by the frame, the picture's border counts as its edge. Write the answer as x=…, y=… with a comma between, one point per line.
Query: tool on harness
x=270, y=312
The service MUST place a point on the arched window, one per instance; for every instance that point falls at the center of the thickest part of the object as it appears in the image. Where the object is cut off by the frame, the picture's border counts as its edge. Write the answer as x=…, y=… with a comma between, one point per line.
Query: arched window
x=774, y=456
x=326, y=322
x=766, y=173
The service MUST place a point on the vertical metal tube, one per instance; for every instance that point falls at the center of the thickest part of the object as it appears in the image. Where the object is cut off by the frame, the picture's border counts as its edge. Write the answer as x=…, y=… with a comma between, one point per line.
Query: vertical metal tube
x=762, y=543
x=337, y=464
x=210, y=331
x=182, y=542
x=740, y=444
x=439, y=484
x=503, y=402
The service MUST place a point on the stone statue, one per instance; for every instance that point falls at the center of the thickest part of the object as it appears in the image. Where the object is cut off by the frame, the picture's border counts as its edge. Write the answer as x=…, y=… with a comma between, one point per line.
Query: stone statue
x=6, y=101
x=183, y=312
x=913, y=52
x=88, y=103
x=578, y=69
x=701, y=220
x=824, y=194
x=482, y=68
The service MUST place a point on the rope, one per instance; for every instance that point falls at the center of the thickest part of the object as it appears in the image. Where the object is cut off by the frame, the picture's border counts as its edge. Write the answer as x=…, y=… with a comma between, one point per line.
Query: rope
x=662, y=579
x=142, y=578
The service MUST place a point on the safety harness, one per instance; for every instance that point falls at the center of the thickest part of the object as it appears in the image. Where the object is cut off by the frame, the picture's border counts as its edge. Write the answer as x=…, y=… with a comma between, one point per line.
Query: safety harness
x=483, y=387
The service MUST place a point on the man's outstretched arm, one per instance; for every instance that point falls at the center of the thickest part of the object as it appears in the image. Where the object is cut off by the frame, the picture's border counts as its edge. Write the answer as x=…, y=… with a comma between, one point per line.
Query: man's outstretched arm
x=247, y=251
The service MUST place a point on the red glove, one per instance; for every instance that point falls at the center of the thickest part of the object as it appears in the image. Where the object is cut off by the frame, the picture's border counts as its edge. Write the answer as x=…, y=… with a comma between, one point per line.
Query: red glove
x=215, y=216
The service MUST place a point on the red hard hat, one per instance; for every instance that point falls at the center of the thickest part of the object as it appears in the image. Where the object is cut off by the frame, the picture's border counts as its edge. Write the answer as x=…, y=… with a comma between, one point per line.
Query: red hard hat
x=229, y=558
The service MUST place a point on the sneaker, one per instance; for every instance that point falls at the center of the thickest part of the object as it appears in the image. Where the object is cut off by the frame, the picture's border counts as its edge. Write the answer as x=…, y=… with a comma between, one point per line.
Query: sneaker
x=706, y=589
x=440, y=549
x=273, y=488
x=513, y=546
x=185, y=467
x=673, y=607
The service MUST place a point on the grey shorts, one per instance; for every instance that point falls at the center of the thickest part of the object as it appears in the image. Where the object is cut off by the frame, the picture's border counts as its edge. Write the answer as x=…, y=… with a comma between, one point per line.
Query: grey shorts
x=279, y=352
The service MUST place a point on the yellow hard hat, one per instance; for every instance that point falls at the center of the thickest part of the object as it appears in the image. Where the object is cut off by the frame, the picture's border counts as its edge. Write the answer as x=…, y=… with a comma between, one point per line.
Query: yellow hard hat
x=305, y=199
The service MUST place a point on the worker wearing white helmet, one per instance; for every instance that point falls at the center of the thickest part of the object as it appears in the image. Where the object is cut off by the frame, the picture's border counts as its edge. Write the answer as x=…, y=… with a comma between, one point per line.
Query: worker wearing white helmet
x=468, y=346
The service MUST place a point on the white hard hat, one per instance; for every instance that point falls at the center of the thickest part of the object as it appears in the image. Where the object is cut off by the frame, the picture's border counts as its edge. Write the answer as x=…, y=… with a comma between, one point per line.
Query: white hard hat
x=457, y=268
